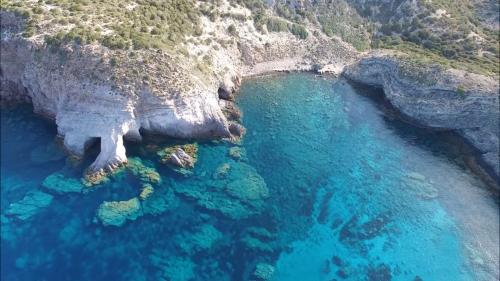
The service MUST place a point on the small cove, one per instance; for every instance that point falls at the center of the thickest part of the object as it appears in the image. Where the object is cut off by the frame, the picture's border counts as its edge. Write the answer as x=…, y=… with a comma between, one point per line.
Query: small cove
x=352, y=195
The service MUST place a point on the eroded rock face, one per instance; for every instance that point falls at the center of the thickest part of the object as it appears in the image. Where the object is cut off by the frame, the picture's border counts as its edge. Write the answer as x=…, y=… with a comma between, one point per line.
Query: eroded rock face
x=439, y=99
x=77, y=87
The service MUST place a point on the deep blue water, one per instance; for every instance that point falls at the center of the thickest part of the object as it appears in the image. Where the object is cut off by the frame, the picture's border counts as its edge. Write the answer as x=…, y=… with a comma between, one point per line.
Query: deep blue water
x=329, y=187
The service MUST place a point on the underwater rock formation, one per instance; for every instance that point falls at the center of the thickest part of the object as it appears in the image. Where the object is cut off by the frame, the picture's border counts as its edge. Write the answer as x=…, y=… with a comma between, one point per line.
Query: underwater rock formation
x=263, y=272
x=117, y=212
x=418, y=184
x=161, y=200
x=203, y=239
x=146, y=191
x=172, y=268
x=237, y=153
x=145, y=173
x=30, y=205
x=258, y=239
x=58, y=183
x=238, y=195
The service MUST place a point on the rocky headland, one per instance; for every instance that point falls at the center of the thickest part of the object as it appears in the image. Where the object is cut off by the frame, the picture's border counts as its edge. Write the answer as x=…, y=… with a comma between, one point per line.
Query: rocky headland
x=96, y=92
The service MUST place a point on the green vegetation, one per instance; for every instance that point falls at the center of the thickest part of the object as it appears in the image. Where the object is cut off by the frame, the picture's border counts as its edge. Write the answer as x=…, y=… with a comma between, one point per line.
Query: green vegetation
x=116, y=24
x=449, y=32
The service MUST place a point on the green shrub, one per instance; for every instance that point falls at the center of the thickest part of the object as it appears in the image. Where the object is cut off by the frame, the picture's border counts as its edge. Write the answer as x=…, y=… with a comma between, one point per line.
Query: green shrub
x=231, y=30
x=299, y=31
x=277, y=25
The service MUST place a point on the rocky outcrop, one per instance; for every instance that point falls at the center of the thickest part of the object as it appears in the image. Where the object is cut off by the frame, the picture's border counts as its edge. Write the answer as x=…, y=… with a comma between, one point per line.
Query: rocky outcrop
x=431, y=97
x=80, y=88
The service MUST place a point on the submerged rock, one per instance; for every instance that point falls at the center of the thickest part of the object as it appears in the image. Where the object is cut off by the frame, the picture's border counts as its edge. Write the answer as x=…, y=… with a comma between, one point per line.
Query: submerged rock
x=238, y=192
x=419, y=184
x=263, y=272
x=161, y=200
x=237, y=153
x=58, y=183
x=117, y=212
x=258, y=239
x=30, y=205
x=146, y=192
x=96, y=178
x=172, y=268
x=247, y=189
x=145, y=173
x=201, y=240
x=222, y=171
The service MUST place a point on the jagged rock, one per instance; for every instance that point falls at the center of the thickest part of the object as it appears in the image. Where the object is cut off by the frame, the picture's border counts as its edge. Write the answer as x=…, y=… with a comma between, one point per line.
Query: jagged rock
x=58, y=183
x=236, y=129
x=230, y=110
x=117, y=212
x=30, y=205
x=184, y=156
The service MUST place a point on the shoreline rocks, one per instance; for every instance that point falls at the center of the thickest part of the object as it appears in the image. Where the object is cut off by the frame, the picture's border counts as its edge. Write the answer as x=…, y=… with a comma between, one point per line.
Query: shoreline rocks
x=433, y=98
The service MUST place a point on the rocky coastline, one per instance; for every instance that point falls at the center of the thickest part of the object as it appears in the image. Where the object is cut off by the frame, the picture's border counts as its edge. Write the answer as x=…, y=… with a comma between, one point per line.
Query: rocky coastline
x=449, y=100
x=92, y=96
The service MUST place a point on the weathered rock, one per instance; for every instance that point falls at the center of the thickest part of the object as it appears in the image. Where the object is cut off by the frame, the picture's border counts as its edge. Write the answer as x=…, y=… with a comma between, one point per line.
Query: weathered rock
x=230, y=110
x=88, y=106
x=236, y=129
x=184, y=156
x=439, y=99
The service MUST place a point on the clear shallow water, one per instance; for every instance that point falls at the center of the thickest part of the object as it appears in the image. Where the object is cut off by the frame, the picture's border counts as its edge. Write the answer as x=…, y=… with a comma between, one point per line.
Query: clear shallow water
x=349, y=195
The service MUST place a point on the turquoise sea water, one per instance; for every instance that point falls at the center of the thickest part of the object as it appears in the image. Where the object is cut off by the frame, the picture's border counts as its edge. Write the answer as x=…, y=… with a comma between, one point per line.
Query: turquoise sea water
x=325, y=185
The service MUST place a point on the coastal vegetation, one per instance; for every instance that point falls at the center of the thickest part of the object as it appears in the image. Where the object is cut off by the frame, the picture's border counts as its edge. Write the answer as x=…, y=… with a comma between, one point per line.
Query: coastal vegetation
x=450, y=33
